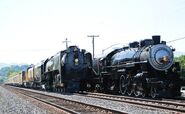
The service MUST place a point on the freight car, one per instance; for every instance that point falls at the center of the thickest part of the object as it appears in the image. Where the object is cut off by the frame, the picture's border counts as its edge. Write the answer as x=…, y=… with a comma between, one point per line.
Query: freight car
x=28, y=77
x=144, y=68
x=15, y=80
x=32, y=77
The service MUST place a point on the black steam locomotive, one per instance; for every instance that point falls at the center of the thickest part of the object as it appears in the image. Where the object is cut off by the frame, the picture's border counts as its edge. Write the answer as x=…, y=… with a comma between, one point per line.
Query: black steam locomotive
x=69, y=70
x=144, y=68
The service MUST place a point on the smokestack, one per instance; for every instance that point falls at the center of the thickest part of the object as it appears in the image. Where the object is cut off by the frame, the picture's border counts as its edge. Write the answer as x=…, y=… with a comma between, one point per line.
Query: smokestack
x=156, y=39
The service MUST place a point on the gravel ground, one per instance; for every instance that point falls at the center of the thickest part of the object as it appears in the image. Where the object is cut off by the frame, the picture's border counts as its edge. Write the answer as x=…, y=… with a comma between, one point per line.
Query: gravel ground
x=10, y=103
x=131, y=109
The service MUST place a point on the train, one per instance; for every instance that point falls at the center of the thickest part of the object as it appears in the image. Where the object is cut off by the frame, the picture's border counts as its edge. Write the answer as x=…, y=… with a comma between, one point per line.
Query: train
x=67, y=71
x=141, y=69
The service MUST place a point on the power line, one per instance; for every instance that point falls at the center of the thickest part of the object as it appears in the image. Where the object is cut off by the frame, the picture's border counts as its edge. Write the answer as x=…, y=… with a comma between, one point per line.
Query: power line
x=176, y=40
x=109, y=47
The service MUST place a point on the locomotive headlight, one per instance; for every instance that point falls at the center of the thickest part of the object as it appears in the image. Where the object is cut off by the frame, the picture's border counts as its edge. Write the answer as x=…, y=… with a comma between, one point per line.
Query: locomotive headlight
x=76, y=61
x=165, y=59
x=161, y=57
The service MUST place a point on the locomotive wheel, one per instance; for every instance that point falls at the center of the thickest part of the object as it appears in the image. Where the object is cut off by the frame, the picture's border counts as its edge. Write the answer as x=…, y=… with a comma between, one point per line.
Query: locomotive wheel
x=153, y=92
x=129, y=92
x=57, y=90
x=123, y=85
x=130, y=89
x=61, y=90
x=136, y=93
x=98, y=88
x=143, y=94
x=141, y=91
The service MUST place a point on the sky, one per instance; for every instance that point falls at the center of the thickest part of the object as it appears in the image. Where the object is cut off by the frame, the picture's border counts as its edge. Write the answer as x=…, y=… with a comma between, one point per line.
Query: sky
x=33, y=30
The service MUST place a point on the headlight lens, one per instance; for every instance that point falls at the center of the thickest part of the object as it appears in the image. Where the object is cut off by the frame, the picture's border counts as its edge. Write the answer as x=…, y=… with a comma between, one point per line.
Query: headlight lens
x=76, y=61
x=161, y=57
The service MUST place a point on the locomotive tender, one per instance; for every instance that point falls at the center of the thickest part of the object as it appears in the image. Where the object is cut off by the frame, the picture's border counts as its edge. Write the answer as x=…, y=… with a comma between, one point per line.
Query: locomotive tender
x=144, y=68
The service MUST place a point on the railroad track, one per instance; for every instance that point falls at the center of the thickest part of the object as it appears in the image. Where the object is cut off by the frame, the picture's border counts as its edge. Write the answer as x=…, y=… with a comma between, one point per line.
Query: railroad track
x=171, y=105
x=166, y=104
x=69, y=106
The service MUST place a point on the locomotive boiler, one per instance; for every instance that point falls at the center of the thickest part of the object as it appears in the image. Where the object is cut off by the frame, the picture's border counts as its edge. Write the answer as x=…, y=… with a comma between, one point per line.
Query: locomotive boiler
x=144, y=68
x=68, y=70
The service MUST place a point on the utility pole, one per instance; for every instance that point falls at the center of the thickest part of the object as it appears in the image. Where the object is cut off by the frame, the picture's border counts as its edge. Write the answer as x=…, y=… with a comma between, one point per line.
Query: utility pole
x=66, y=41
x=93, y=36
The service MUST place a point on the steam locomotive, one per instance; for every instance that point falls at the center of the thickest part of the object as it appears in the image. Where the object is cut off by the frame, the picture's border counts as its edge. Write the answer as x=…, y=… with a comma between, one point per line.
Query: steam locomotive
x=144, y=68
x=68, y=70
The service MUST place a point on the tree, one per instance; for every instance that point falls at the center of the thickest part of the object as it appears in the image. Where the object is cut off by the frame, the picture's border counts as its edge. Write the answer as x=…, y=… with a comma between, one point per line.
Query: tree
x=181, y=60
x=7, y=72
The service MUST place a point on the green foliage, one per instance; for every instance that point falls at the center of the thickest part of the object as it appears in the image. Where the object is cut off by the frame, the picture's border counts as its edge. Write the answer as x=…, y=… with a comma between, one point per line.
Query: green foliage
x=12, y=70
x=181, y=60
x=2, y=79
x=13, y=73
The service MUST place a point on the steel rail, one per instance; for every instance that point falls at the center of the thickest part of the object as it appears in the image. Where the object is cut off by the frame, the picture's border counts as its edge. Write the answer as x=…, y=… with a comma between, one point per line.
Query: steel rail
x=167, y=105
x=52, y=100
